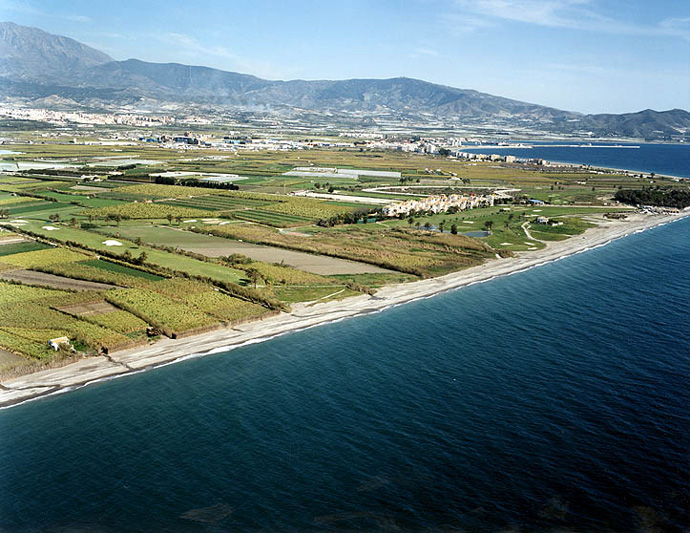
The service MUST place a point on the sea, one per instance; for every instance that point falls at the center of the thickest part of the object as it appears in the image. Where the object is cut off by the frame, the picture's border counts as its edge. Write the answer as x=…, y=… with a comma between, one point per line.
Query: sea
x=665, y=159
x=554, y=399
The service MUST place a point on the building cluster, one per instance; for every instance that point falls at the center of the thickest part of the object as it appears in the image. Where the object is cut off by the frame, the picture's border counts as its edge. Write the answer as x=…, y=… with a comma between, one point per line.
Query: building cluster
x=66, y=117
x=658, y=210
x=438, y=204
x=469, y=156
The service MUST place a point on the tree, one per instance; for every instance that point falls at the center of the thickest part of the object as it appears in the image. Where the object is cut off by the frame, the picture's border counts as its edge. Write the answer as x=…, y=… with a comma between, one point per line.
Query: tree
x=142, y=258
x=170, y=218
x=454, y=229
x=410, y=221
x=488, y=225
x=55, y=217
x=441, y=226
x=178, y=219
x=427, y=225
x=118, y=219
x=254, y=276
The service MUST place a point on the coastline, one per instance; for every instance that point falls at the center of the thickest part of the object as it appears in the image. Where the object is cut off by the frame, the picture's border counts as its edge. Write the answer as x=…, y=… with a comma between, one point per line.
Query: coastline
x=615, y=169
x=40, y=384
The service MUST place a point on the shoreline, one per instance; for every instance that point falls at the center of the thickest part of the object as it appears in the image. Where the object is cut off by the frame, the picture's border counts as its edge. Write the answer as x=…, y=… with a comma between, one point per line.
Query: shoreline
x=44, y=383
x=601, y=167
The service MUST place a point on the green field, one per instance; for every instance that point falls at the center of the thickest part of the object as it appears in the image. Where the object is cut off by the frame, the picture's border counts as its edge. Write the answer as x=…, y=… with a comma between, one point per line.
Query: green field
x=19, y=247
x=271, y=219
x=122, y=269
x=172, y=261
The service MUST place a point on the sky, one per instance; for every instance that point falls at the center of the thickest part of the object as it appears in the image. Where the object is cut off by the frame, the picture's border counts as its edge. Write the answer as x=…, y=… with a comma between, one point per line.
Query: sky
x=591, y=56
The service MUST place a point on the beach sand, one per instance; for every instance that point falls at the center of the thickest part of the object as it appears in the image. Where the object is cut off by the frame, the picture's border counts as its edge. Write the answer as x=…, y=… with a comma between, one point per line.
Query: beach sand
x=166, y=351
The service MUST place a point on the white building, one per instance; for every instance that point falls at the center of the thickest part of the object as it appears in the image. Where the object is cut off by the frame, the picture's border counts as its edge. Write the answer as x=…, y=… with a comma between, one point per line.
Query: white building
x=438, y=204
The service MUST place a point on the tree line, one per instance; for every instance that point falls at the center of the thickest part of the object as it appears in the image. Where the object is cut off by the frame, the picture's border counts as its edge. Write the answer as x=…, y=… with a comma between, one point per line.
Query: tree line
x=658, y=197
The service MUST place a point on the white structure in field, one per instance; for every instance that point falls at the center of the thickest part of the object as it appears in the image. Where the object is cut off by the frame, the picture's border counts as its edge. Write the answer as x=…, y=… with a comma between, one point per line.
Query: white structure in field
x=334, y=172
x=438, y=204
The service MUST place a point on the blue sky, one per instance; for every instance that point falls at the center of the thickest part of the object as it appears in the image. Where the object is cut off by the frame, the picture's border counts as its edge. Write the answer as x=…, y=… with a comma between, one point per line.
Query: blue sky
x=592, y=56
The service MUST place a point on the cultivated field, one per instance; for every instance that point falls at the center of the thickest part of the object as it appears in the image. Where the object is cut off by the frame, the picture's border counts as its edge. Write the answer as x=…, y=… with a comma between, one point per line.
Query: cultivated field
x=113, y=263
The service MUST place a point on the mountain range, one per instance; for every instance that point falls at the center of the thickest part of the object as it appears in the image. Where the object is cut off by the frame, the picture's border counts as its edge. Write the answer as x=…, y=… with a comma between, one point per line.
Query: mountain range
x=44, y=68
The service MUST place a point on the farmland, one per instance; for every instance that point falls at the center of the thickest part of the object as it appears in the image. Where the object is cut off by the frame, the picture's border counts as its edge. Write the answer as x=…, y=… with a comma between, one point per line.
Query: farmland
x=122, y=260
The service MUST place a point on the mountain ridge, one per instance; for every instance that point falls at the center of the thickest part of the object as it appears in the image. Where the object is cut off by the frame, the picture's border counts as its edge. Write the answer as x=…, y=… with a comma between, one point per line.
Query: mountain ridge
x=36, y=64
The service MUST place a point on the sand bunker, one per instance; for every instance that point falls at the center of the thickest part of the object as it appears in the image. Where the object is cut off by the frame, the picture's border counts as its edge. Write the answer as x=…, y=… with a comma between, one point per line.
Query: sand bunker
x=50, y=228
x=110, y=242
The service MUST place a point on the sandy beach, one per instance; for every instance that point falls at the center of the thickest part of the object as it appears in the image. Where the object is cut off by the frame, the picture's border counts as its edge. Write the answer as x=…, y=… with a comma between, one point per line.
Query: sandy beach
x=91, y=370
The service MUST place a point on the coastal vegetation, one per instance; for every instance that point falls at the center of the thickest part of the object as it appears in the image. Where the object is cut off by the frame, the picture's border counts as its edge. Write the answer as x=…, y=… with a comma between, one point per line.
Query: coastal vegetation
x=676, y=198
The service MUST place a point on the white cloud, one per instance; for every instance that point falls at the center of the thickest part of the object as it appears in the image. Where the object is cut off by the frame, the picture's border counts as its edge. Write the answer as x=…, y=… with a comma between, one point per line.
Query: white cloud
x=226, y=59
x=574, y=14
x=190, y=46
x=27, y=9
x=424, y=52
x=557, y=13
x=676, y=26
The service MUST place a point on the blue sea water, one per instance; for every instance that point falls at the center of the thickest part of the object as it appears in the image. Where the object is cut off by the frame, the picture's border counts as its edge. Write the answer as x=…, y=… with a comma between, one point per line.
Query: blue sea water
x=668, y=159
x=552, y=399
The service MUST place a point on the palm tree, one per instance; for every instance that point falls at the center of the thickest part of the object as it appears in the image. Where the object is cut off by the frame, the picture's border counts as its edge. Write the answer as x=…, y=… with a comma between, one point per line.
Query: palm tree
x=254, y=276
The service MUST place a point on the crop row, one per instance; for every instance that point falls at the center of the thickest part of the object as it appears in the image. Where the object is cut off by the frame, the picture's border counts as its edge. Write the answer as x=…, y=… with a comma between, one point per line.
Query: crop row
x=20, y=247
x=152, y=190
x=13, y=200
x=14, y=293
x=125, y=197
x=30, y=185
x=283, y=275
x=208, y=299
x=41, y=258
x=270, y=219
x=19, y=315
x=224, y=307
x=120, y=321
x=84, y=271
x=121, y=269
x=143, y=210
x=26, y=208
x=308, y=208
x=218, y=203
x=16, y=344
x=168, y=315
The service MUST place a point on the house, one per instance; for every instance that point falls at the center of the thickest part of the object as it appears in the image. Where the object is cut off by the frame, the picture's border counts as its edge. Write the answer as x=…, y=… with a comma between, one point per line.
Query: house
x=57, y=341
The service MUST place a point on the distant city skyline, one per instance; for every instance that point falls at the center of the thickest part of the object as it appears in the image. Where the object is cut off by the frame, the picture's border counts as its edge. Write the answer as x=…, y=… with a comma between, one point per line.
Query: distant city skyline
x=591, y=56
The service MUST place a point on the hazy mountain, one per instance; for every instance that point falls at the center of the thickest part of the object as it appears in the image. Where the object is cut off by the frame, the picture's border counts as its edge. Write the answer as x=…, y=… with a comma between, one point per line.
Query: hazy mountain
x=31, y=54
x=38, y=65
